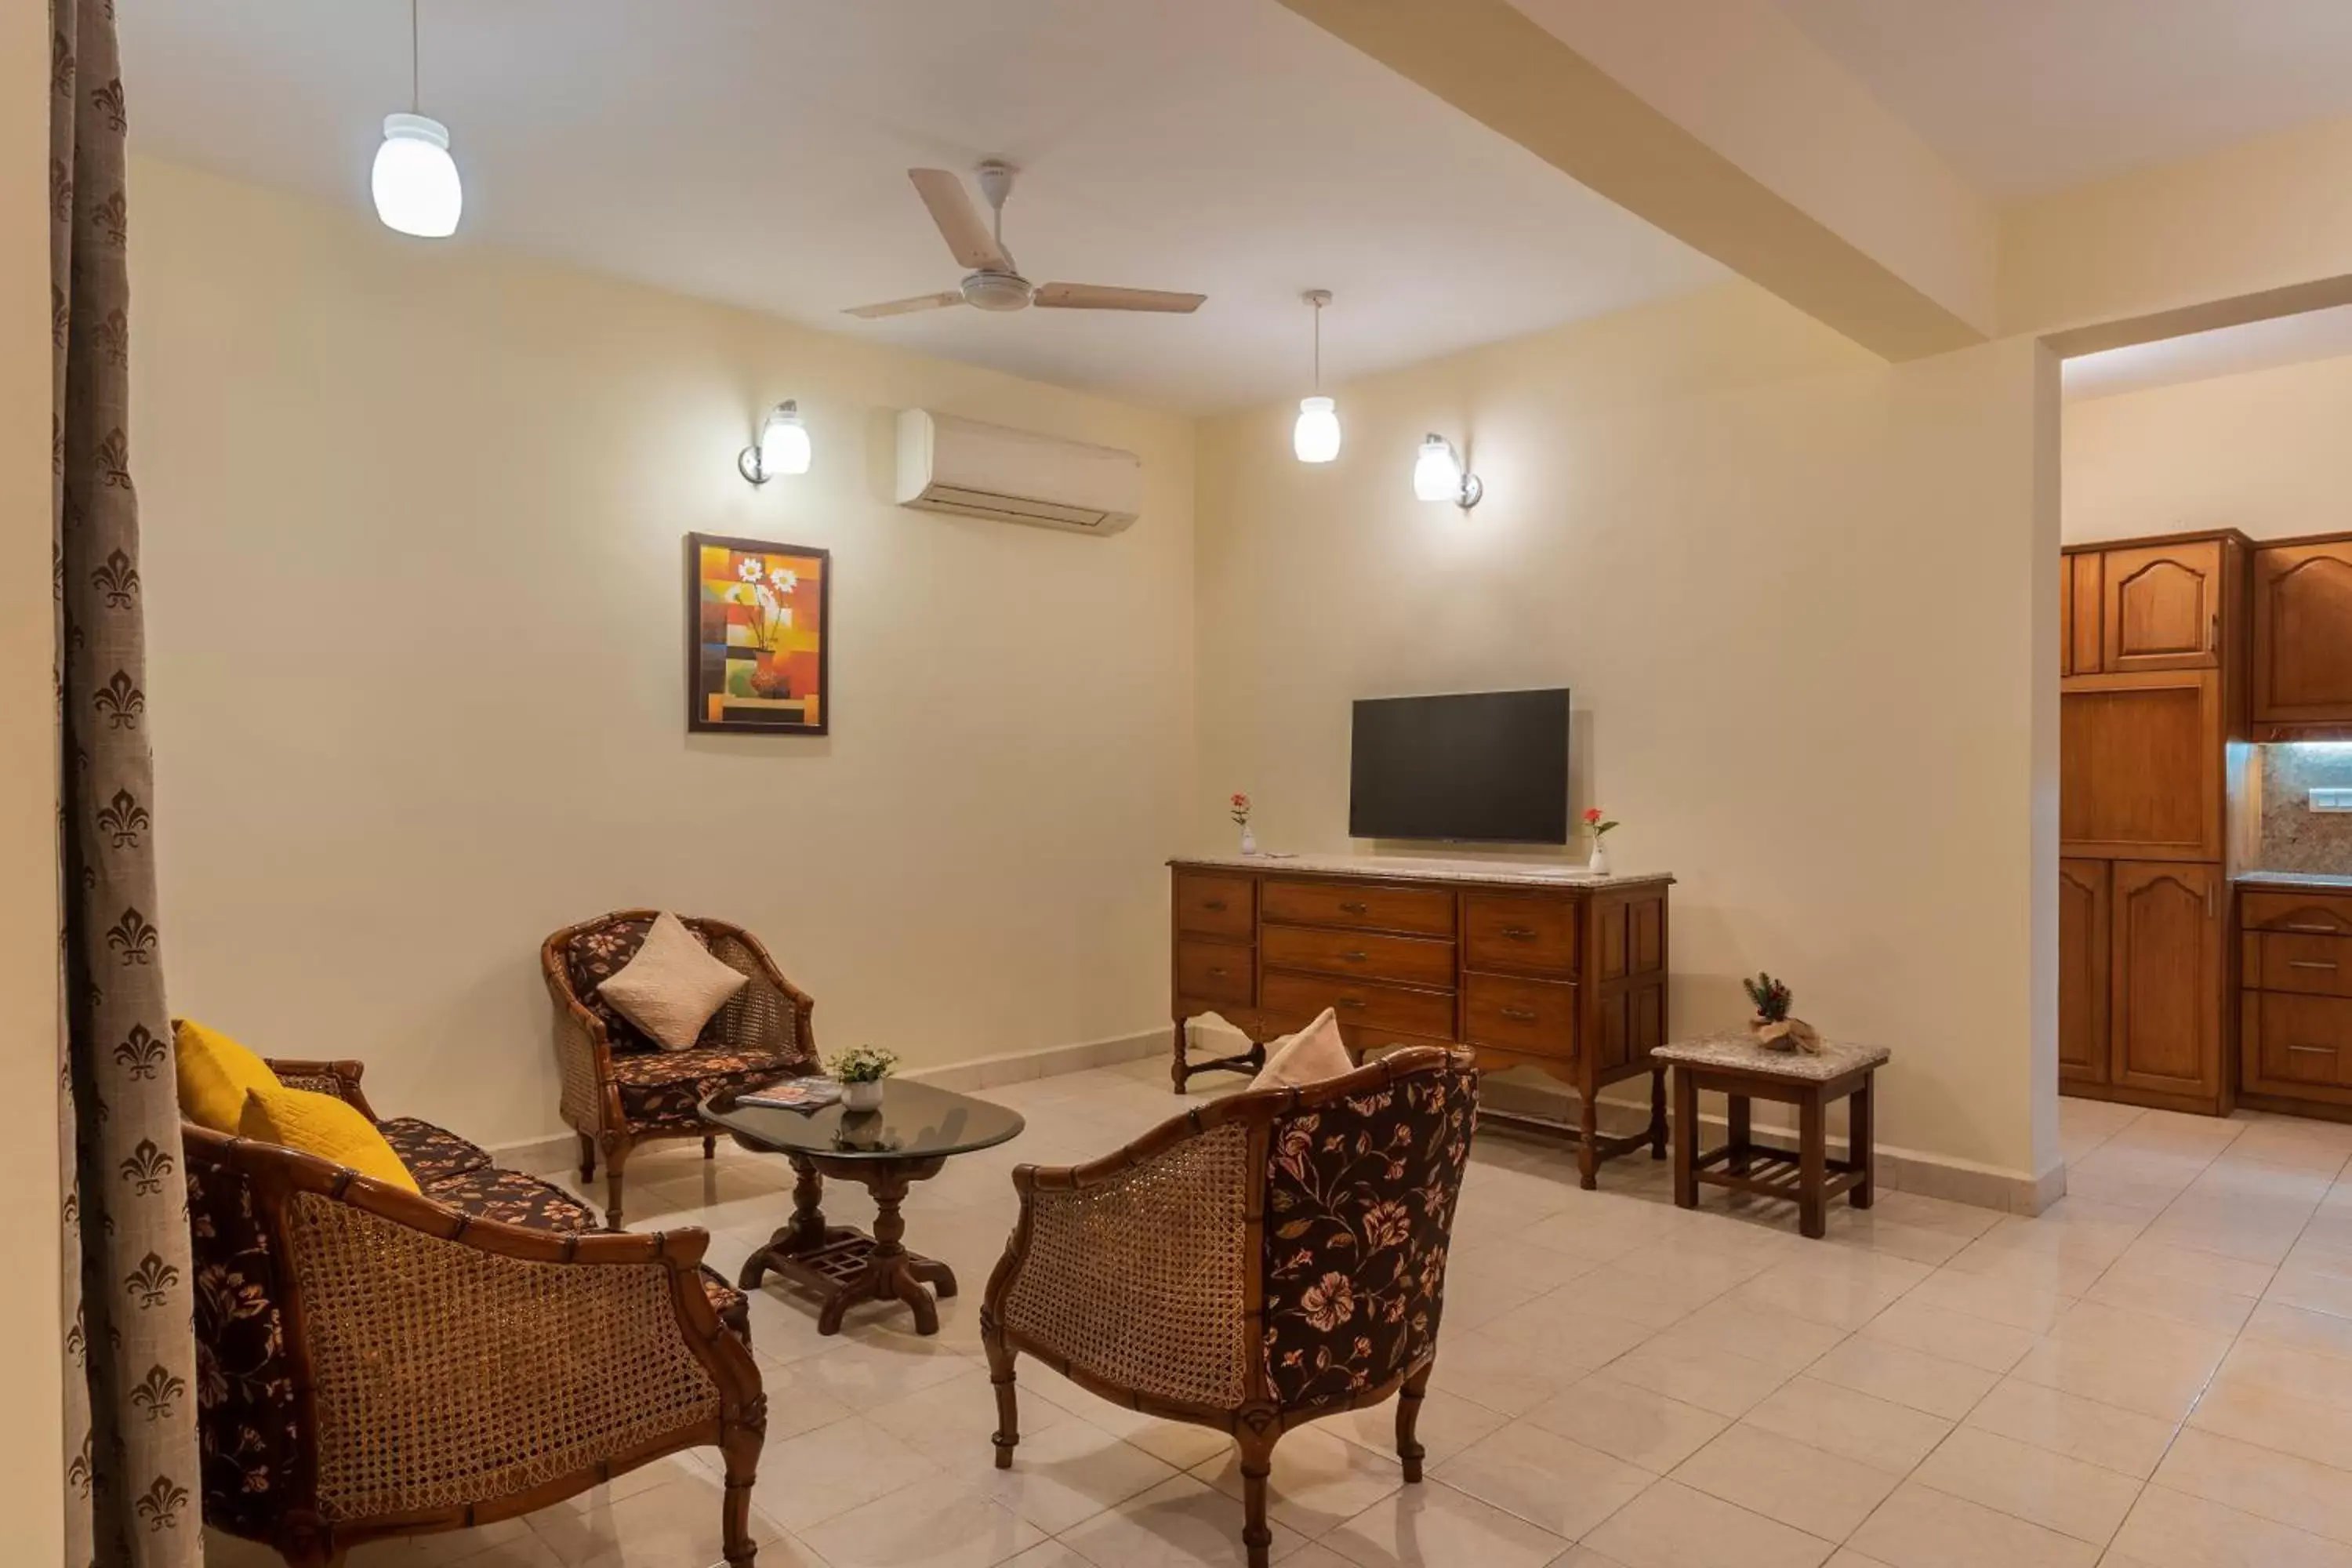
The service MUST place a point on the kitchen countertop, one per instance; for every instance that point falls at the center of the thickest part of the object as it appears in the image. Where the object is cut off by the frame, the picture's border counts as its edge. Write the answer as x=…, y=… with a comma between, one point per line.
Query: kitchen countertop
x=2339, y=881
x=1503, y=873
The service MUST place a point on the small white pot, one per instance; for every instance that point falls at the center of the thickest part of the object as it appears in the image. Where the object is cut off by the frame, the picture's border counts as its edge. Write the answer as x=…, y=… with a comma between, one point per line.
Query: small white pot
x=1249, y=840
x=862, y=1096
x=1599, y=864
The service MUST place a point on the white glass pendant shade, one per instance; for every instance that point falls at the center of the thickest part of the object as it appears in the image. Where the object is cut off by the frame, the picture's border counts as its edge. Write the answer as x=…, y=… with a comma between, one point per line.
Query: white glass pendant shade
x=415, y=180
x=1316, y=437
x=785, y=443
x=1437, y=473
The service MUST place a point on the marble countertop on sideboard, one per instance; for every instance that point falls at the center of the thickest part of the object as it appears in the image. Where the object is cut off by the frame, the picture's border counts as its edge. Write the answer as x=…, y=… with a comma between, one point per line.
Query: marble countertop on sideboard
x=1494, y=873
x=2338, y=882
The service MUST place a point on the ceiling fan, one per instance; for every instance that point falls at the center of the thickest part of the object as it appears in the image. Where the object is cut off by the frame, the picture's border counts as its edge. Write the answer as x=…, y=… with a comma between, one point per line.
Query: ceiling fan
x=995, y=284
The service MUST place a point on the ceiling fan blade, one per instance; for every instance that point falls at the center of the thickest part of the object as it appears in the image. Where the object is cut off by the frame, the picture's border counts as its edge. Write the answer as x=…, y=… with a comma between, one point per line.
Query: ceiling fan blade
x=959, y=222
x=1096, y=297
x=906, y=307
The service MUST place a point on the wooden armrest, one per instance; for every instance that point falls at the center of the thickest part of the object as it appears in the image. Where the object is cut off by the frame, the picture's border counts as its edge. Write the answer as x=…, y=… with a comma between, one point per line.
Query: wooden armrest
x=340, y=1078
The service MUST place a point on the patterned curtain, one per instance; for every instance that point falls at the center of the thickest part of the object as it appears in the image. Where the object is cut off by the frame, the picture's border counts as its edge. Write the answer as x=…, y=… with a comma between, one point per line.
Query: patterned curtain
x=132, y=1469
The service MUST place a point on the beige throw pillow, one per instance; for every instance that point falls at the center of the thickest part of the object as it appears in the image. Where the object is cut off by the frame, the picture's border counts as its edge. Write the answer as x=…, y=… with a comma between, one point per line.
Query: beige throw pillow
x=673, y=986
x=1315, y=1053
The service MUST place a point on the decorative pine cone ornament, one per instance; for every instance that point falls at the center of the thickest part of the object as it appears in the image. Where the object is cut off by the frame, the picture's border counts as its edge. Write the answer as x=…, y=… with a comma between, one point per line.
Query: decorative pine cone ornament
x=1773, y=1028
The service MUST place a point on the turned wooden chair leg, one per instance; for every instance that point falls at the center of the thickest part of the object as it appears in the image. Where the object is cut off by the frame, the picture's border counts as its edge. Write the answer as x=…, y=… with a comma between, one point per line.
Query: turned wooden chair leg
x=1408, y=1398
x=587, y=1158
x=1257, y=1464
x=710, y=1147
x=613, y=1160
x=741, y=1448
x=1001, y=1357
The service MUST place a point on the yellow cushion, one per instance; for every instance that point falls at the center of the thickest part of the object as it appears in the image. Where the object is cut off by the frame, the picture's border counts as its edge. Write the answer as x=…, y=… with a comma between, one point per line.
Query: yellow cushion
x=215, y=1073
x=322, y=1125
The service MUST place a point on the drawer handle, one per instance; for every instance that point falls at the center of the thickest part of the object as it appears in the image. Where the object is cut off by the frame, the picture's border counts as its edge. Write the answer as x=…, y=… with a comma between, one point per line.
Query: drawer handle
x=1519, y=1014
x=2308, y=964
x=1218, y=971
x=1359, y=957
x=2314, y=1050
x=1355, y=908
x=1350, y=1001
x=1215, y=906
x=1520, y=934
x=2324, y=930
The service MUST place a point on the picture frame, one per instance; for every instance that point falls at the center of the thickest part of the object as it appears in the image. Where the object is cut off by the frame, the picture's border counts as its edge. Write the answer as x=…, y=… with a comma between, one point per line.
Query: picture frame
x=759, y=632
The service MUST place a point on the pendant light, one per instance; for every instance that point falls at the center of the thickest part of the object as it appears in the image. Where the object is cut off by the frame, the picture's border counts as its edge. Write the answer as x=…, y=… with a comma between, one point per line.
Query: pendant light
x=415, y=181
x=1316, y=438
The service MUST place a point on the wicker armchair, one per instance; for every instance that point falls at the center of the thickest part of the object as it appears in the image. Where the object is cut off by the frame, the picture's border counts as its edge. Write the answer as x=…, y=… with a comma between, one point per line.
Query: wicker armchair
x=373, y=1362
x=1254, y=1264
x=621, y=1089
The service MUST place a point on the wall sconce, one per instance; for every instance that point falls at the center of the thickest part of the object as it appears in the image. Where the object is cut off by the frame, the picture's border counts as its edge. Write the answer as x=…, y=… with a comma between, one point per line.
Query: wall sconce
x=782, y=446
x=1438, y=475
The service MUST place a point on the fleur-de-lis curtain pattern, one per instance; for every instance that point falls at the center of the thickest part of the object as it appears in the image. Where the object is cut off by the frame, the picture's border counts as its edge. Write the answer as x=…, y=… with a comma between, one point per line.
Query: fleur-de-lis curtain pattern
x=131, y=1460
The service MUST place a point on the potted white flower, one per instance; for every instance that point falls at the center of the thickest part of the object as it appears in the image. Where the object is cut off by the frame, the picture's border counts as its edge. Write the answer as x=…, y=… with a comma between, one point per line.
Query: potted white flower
x=860, y=1071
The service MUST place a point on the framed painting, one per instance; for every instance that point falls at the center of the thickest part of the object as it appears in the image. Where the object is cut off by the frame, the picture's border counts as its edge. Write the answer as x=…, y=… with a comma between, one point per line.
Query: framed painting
x=759, y=629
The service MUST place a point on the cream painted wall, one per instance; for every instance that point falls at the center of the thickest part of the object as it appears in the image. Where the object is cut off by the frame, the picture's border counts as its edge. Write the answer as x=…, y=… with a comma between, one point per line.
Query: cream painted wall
x=32, y=1441
x=1804, y=600
x=415, y=516
x=2264, y=451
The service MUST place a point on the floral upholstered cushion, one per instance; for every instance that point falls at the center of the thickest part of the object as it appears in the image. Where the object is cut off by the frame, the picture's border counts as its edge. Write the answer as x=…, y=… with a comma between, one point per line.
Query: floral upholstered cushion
x=248, y=1419
x=595, y=956
x=1359, y=1200
x=513, y=1199
x=664, y=1089
x=431, y=1154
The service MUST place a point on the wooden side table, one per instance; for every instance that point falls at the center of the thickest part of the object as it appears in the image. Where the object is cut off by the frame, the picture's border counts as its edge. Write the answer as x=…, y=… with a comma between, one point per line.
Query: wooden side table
x=1737, y=1066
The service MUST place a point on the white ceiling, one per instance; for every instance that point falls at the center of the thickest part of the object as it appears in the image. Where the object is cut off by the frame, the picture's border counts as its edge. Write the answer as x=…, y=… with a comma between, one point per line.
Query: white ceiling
x=2201, y=356
x=754, y=151
x=2027, y=96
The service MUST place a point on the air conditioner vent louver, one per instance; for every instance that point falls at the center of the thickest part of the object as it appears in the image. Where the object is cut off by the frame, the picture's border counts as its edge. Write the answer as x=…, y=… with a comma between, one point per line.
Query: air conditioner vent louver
x=948, y=464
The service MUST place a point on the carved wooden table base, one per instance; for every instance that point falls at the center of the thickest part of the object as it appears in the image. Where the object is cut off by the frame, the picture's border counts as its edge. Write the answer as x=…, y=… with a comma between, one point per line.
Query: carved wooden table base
x=845, y=1266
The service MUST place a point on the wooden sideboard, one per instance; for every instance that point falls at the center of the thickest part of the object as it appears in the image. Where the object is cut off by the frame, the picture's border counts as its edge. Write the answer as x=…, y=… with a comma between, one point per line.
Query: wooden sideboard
x=1563, y=972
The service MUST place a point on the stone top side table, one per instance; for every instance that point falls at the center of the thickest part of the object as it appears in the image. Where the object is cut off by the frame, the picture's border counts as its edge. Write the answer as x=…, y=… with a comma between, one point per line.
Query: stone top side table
x=1734, y=1065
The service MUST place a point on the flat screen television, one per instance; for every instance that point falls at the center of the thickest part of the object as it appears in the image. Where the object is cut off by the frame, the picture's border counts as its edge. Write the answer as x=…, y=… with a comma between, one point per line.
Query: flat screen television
x=1490, y=767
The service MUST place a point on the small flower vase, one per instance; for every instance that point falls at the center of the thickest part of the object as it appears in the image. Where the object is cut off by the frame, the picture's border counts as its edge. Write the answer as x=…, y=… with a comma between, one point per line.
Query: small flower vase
x=1599, y=864
x=1249, y=840
x=866, y=1096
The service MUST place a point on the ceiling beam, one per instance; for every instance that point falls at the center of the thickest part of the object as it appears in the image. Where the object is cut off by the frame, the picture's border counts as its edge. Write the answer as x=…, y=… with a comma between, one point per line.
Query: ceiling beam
x=1508, y=71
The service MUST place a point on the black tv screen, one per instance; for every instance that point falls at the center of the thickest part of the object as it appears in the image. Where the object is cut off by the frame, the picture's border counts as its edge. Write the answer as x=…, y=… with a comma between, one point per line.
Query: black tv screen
x=1489, y=767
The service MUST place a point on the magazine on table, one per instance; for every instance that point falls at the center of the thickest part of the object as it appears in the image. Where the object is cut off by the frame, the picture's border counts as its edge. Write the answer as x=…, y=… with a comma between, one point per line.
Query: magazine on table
x=804, y=1094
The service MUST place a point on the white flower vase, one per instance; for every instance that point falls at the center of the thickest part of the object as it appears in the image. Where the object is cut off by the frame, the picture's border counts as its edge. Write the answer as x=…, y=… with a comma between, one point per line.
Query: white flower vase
x=866, y=1096
x=1599, y=864
x=1249, y=840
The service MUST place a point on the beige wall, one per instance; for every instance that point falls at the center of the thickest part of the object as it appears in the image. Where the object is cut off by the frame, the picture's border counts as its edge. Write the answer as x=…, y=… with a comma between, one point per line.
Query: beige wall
x=414, y=517
x=31, y=1442
x=2264, y=451
x=1803, y=599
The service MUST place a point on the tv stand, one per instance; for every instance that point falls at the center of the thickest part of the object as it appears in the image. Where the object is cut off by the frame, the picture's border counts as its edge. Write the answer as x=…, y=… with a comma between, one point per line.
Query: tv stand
x=1526, y=963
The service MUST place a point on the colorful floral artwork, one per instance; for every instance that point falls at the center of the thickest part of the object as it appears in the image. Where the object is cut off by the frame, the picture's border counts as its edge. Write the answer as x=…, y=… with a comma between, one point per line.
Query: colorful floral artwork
x=759, y=615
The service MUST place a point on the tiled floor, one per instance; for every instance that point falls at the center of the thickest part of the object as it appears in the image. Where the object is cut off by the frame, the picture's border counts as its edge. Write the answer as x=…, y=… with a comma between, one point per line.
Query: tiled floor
x=2155, y=1375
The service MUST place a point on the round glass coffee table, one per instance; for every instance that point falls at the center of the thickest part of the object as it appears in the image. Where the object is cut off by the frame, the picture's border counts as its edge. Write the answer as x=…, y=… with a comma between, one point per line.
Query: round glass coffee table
x=909, y=1140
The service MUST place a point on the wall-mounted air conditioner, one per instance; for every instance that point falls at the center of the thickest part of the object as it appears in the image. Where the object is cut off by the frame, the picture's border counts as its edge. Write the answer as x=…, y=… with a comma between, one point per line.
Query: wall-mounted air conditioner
x=948, y=464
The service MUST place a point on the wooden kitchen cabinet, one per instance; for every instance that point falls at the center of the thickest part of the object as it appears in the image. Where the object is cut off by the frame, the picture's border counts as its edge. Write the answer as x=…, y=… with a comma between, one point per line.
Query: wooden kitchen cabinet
x=2140, y=765
x=2295, y=999
x=2302, y=663
x=2161, y=604
x=2084, y=939
x=2081, y=596
x=2166, y=1034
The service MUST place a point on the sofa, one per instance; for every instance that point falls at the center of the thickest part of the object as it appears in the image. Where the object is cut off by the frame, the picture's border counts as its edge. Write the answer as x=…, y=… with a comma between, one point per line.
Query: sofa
x=374, y=1362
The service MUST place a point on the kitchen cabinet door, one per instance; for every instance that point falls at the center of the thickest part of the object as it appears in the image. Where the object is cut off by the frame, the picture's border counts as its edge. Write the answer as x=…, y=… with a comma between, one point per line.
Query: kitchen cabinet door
x=2140, y=766
x=2165, y=1026
x=2081, y=614
x=2162, y=606
x=2084, y=942
x=2302, y=634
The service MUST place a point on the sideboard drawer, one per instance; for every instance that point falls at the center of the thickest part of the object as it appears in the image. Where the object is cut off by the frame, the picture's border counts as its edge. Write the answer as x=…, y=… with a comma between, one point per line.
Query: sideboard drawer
x=1291, y=1000
x=2293, y=961
x=1501, y=932
x=1420, y=911
x=2300, y=1040
x=1215, y=906
x=1538, y=1016
x=1214, y=972
x=1409, y=960
x=2321, y=915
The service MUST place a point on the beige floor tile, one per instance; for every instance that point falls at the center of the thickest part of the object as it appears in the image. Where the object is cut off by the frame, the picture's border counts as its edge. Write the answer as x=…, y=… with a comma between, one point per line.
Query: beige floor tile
x=1510, y=1376
x=1698, y=1374
x=1319, y=1482
x=1777, y=1339
x=2322, y=1333
x=1638, y=1425
x=2028, y=1268
x=1819, y=1493
x=2153, y=1365
x=1850, y=1559
x=1840, y=1287
x=1434, y=1526
x=1674, y=1526
x=1064, y=1474
x=1953, y=1335
x=1585, y=1557
x=807, y=1479
x=2172, y=1529
x=2176, y=1299
x=2123, y=1441
x=2260, y=1413
x=2261, y=1481
x=950, y=1423
x=677, y=1523
x=1447, y=1424
x=1180, y=1523
x=2153, y=1260
x=1554, y=1332
x=1052, y=1554
x=2285, y=1370
x=1903, y=1376
x=1919, y=1526
x=2019, y=1306
x=1844, y=1421
x=2069, y=1496
x=1180, y=1445
x=926, y=1525
x=1552, y=1482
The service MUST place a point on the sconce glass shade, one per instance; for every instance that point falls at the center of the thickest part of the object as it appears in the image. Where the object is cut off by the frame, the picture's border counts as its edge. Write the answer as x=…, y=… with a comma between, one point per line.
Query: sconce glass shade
x=1316, y=437
x=1437, y=474
x=414, y=180
x=782, y=446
